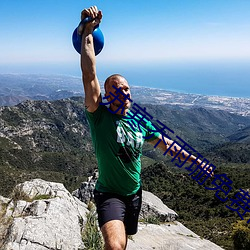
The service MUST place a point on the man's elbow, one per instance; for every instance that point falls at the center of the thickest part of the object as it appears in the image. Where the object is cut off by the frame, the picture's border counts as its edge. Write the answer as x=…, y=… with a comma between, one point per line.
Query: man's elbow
x=88, y=77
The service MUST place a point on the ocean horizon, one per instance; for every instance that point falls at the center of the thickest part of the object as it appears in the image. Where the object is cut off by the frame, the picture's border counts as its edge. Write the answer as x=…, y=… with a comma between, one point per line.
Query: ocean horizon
x=229, y=79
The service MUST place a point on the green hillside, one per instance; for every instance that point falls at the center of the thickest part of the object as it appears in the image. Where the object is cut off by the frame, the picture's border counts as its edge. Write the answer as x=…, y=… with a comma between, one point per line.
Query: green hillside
x=51, y=140
x=198, y=208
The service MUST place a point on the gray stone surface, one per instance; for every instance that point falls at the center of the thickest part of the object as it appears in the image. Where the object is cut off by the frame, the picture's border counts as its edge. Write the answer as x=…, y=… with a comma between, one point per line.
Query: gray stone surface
x=169, y=236
x=54, y=222
x=153, y=206
x=44, y=215
x=85, y=192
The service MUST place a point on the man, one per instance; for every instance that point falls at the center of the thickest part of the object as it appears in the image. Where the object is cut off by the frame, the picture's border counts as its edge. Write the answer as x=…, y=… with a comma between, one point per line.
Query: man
x=117, y=145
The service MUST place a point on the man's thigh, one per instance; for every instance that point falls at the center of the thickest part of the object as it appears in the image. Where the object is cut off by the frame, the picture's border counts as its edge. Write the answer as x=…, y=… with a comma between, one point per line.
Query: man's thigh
x=109, y=208
x=111, y=213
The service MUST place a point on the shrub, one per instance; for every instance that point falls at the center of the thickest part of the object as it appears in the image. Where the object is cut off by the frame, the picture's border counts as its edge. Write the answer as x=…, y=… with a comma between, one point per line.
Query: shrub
x=241, y=235
x=91, y=235
x=151, y=219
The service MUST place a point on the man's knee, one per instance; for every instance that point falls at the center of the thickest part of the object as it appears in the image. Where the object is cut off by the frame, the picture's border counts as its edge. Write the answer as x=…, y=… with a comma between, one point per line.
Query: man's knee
x=114, y=235
x=115, y=245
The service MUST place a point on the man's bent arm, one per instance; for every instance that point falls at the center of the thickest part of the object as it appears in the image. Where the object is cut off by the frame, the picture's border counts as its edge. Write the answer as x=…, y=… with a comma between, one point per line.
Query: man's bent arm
x=88, y=66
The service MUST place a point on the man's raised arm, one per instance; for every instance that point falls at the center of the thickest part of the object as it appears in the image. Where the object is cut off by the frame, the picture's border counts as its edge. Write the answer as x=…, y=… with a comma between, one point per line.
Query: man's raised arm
x=88, y=62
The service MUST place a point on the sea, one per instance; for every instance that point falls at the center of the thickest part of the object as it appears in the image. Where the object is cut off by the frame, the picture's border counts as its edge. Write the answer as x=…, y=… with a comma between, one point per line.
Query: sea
x=227, y=79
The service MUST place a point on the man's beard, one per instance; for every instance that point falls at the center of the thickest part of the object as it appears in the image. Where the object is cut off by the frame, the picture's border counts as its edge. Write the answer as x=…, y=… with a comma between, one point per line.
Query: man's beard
x=124, y=105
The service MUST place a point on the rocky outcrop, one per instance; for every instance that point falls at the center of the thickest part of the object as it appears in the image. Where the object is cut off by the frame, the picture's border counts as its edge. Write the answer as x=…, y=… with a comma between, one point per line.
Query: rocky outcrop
x=152, y=206
x=85, y=192
x=168, y=236
x=43, y=215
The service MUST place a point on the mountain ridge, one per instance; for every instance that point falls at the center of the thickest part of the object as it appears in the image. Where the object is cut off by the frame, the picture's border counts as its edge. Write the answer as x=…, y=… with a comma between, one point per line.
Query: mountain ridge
x=51, y=140
x=54, y=135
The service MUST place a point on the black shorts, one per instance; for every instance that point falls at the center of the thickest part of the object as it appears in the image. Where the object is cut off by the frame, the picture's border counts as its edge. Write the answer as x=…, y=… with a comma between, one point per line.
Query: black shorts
x=116, y=207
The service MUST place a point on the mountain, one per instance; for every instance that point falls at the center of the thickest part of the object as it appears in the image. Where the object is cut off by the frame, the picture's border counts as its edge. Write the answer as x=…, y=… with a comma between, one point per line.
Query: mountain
x=52, y=138
x=15, y=88
x=241, y=136
x=235, y=150
x=49, y=139
x=199, y=126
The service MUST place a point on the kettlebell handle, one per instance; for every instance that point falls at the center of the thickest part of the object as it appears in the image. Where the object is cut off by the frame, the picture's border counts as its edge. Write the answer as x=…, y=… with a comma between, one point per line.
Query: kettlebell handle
x=86, y=20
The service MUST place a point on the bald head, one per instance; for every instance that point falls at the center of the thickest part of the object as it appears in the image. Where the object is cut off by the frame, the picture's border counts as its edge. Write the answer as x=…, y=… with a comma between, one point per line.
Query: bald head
x=113, y=80
x=111, y=85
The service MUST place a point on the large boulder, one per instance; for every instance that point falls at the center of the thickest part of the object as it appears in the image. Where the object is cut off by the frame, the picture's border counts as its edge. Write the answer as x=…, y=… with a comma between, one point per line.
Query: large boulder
x=170, y=235
x=152, y=206
x=85, y=192
x=42, y=215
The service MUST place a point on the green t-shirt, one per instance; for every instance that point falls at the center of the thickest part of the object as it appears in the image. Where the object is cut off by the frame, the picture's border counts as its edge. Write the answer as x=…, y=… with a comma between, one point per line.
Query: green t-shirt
x=118, y=149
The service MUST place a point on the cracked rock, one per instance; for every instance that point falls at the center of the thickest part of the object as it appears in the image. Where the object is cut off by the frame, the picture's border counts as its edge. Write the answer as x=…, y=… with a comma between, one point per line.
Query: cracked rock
x=50, y=223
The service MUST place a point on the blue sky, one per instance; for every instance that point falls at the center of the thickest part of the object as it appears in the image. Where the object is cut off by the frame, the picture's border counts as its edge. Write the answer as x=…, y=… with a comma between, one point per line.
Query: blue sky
x=35, y=35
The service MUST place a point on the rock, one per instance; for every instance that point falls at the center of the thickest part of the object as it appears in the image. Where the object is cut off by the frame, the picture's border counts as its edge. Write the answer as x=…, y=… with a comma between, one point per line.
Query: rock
x=85, y=192
x=169, y=236
x=44, y=215
x=4, y=218
x=152, y=206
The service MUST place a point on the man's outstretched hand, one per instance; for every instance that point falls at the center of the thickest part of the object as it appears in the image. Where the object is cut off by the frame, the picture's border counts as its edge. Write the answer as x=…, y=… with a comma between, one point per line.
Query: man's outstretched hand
x=208, y=169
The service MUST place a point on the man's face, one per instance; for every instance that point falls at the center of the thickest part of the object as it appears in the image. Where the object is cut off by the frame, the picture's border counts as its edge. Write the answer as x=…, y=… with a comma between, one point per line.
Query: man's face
x=118, y=82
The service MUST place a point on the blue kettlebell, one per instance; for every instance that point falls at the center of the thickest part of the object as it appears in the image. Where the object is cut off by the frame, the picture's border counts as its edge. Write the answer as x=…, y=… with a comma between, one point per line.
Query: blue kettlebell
x=98, y=37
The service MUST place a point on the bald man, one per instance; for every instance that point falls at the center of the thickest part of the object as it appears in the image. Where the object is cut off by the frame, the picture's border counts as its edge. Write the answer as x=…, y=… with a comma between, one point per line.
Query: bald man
x=118, y=147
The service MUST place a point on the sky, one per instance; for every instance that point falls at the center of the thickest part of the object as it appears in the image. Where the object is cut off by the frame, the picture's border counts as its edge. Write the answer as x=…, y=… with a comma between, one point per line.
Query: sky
x=140, y=36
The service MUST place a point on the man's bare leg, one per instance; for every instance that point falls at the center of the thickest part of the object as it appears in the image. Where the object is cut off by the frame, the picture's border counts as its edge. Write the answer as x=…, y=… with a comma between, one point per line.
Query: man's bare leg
x=114, y=235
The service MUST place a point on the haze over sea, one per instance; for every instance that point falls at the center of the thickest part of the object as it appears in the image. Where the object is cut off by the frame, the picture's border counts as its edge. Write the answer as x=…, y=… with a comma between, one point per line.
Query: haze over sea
x=220, y=79
x=230, y=79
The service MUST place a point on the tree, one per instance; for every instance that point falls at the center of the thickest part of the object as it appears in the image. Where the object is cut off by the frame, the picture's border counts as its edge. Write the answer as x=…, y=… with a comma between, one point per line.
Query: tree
x=241, y=235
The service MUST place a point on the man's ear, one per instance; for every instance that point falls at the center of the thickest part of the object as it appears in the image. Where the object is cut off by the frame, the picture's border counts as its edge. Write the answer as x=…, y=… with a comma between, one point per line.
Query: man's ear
x=106, y=95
